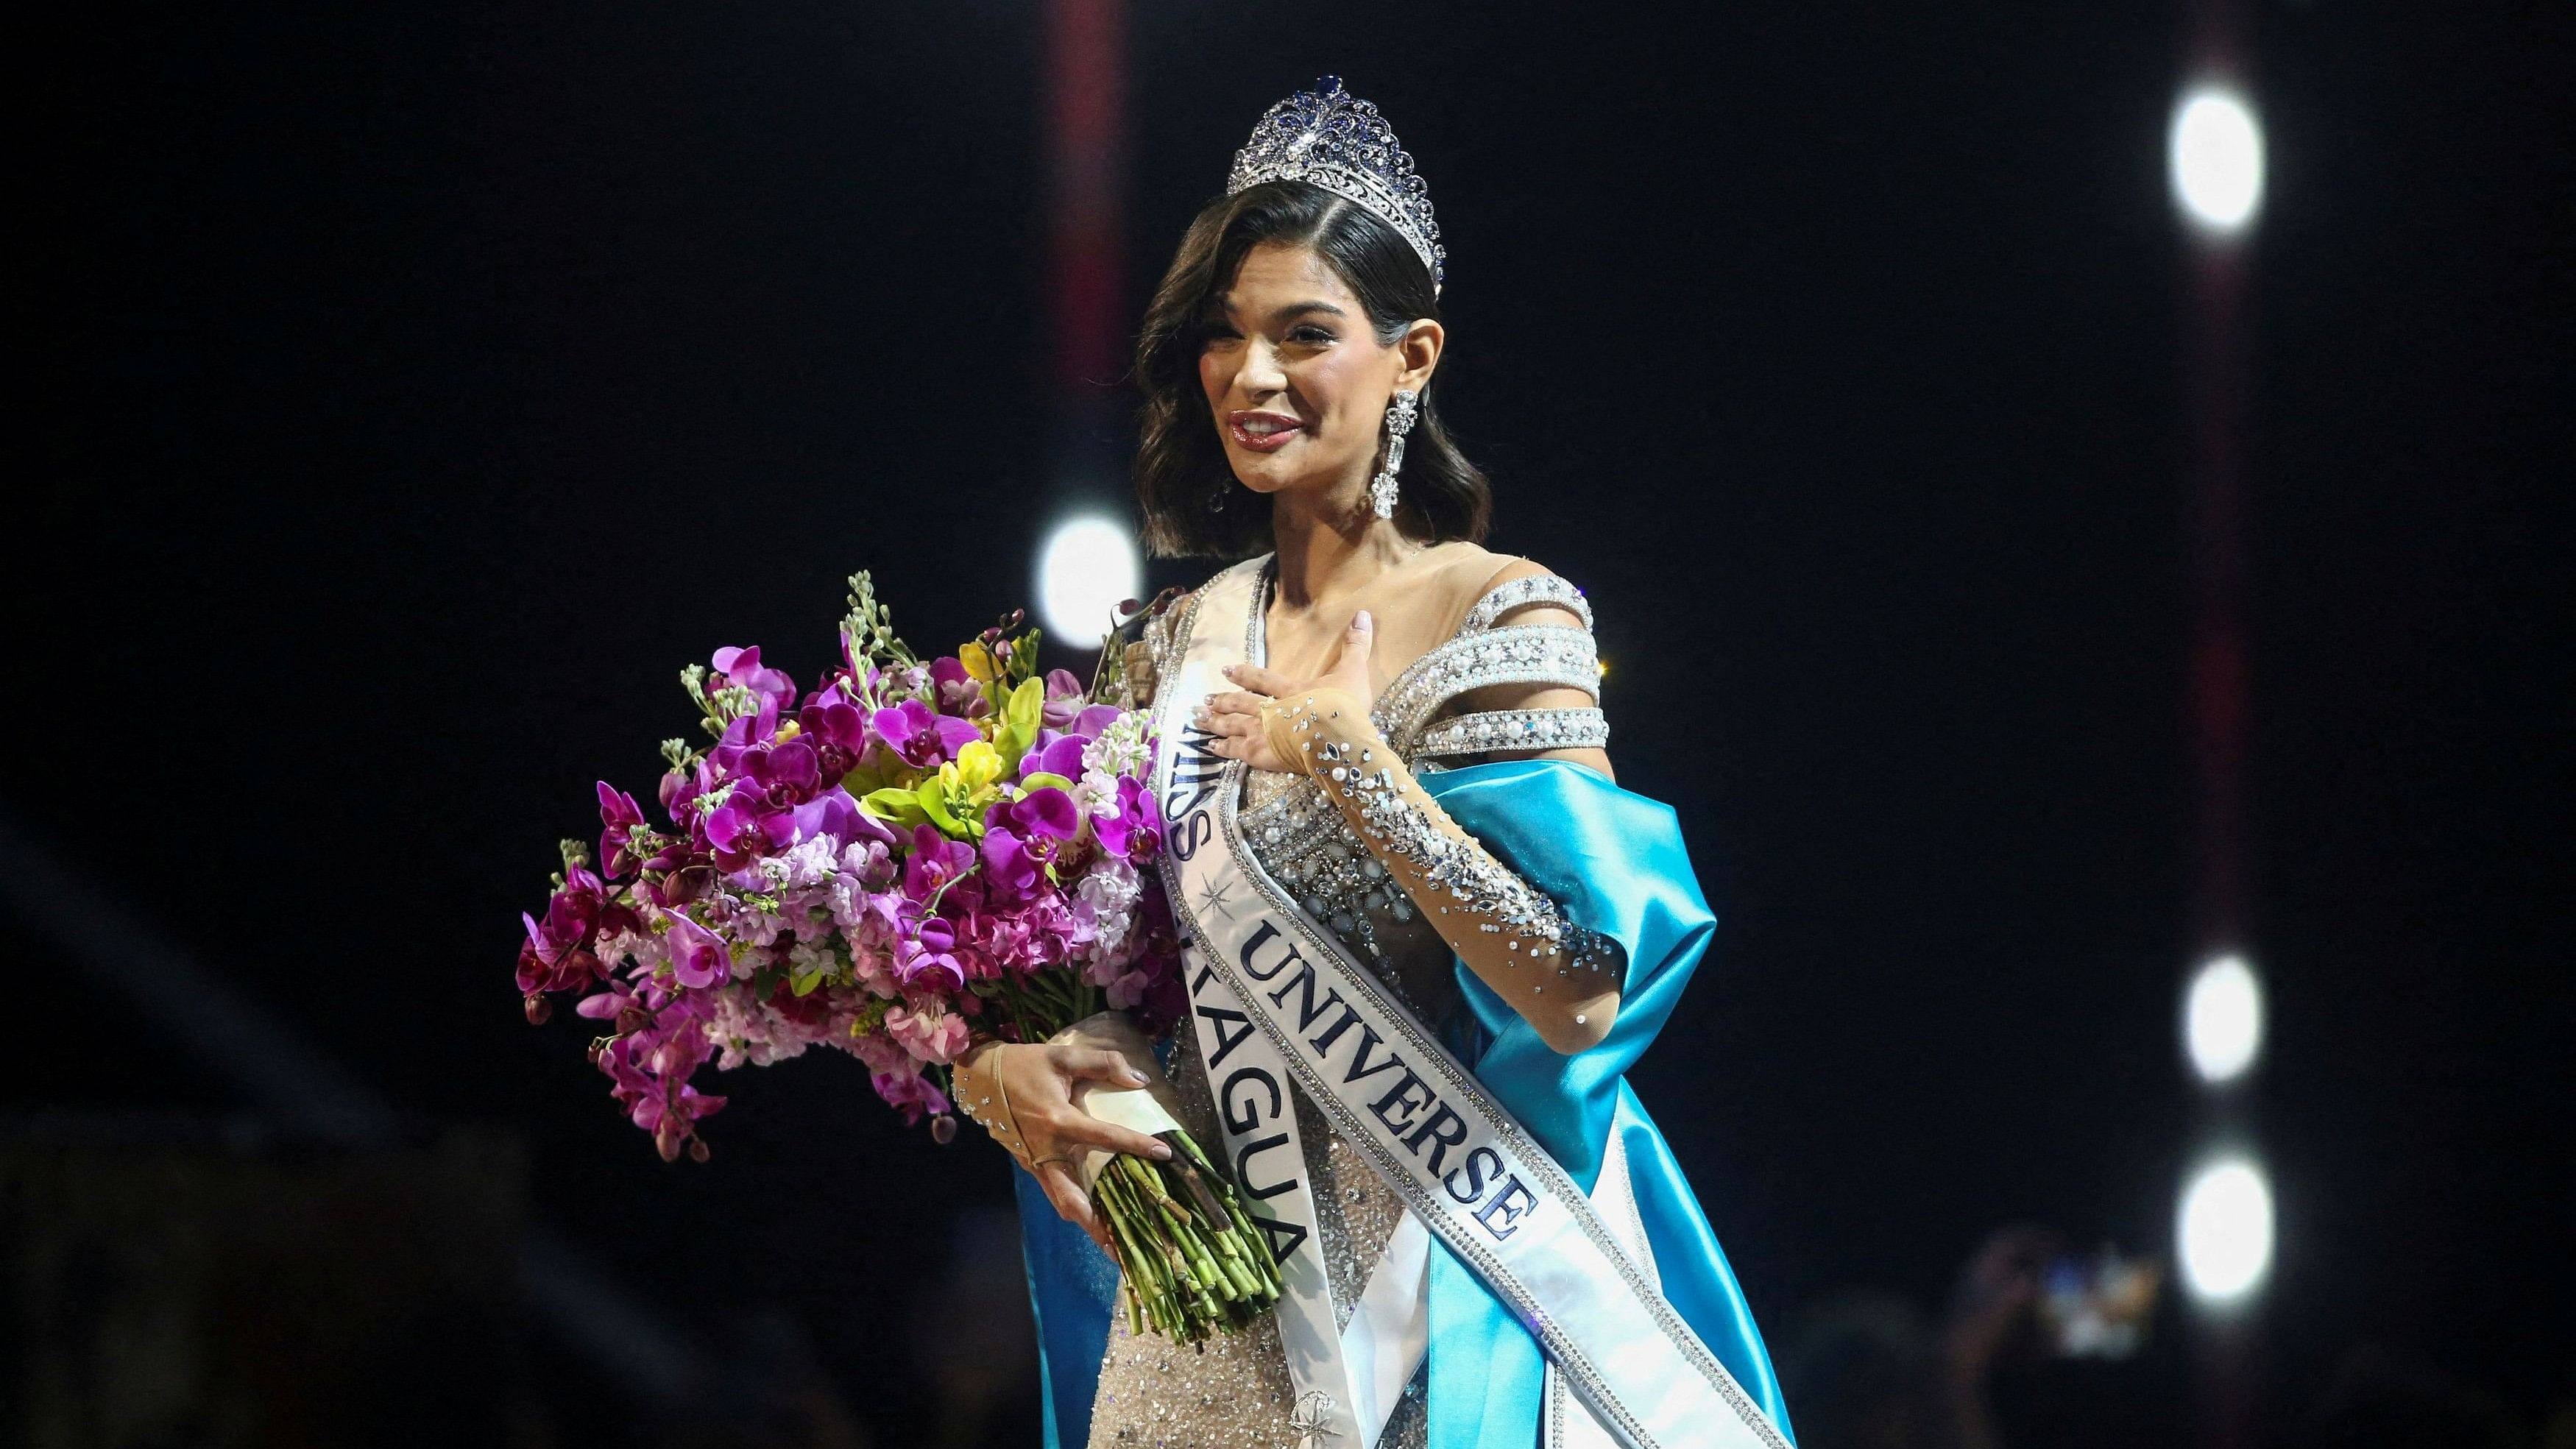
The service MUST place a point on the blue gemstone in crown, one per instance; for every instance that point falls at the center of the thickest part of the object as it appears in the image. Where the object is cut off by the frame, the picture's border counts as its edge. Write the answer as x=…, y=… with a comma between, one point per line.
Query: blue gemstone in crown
x=1330, y=138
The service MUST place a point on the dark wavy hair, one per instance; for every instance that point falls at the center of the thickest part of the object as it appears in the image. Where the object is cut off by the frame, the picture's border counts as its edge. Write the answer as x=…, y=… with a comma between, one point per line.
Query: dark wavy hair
x=1181, y=470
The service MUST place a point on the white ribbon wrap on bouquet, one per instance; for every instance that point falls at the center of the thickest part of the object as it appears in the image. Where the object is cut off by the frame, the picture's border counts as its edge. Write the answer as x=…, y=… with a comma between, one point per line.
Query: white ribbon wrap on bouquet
x=1148, y=1109
x=1276, y=1000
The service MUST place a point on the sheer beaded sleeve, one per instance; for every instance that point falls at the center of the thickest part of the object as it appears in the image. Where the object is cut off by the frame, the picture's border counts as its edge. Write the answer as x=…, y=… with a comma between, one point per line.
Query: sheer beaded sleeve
x=1563, y=978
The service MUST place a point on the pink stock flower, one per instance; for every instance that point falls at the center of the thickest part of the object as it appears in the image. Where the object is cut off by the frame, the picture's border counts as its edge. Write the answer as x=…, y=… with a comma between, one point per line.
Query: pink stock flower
x=870, y=862
x=927, y=1032
x=883, y=1056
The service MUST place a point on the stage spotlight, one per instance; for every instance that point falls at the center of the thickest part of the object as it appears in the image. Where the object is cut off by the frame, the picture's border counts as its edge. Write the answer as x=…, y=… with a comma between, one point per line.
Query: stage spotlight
x=2222, y=1019
x=2214, y=154
x=1086, y=568
x=2224, y=1232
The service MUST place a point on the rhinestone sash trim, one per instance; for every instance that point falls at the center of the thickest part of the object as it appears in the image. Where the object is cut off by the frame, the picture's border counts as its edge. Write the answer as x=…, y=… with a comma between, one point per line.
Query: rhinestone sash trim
x=1517, y=729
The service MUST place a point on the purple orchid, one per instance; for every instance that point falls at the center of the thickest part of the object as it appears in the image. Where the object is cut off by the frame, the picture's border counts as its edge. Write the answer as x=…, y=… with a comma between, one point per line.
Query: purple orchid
x=557, y=953
x=621, y=821
x=744, y=736
x=1009, y=862
x=957, y=691
x=733, y=833
x=1044, y=813
x=920, y=738
x=832, y=813
x=912, y=1094
x=698, y=955
x=925, y=959
x=1064, y=699
x=934, y=862
x=834, y=721
x=742, y=669
x=1021, y=836
x=786, y=772
x=1054, y=754
x=1129, y=825
x=673, y=1119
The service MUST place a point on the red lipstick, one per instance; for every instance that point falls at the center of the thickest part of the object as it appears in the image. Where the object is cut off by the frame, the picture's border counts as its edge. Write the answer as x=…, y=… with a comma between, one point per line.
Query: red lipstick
x=1262, y=432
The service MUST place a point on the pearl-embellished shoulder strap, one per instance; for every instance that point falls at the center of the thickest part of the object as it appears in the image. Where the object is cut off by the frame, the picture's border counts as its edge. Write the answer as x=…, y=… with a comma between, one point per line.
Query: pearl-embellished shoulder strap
x=1483, y=653
x=1518, y=593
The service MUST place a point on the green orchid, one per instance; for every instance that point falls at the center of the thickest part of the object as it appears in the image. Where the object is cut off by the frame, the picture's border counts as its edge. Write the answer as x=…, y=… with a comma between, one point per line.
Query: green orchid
x=956, y=798
x=1022, y=711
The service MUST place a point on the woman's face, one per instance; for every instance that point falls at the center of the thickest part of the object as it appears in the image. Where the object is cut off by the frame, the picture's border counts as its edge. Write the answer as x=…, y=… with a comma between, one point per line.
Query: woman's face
x=1296, y=377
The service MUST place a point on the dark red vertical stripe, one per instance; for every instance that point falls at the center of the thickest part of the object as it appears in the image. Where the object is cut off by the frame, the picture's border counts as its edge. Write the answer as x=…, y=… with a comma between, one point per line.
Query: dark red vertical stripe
x=2219, y=703
x=1085, y=145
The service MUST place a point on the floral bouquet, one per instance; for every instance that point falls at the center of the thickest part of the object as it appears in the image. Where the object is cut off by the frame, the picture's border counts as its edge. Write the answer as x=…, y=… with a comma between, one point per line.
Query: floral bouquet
x=909, y=854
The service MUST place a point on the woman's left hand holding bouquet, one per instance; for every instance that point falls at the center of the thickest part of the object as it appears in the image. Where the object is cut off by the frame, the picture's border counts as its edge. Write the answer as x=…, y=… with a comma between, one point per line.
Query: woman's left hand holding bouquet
x=1024, y=1095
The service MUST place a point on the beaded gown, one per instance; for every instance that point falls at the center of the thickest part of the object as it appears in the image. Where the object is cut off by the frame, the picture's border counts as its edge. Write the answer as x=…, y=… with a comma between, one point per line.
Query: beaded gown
x=1236, y=1394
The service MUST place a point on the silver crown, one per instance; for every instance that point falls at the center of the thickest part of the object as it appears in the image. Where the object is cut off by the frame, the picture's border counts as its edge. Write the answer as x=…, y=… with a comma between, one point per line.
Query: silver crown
x=1330, y=138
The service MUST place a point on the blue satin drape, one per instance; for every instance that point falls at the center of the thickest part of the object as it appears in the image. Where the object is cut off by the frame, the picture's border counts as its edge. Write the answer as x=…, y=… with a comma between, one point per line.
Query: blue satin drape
x=1614, y=861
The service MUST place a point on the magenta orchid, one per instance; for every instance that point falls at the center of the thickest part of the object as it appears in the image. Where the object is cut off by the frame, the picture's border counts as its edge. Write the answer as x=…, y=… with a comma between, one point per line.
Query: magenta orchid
x=921, y=738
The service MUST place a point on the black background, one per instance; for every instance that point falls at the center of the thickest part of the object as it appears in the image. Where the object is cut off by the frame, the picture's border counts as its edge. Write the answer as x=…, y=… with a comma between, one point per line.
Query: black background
x=405, y=394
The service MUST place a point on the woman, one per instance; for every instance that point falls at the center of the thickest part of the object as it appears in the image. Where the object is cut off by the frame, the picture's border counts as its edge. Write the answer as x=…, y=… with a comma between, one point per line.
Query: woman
x=1428, y=932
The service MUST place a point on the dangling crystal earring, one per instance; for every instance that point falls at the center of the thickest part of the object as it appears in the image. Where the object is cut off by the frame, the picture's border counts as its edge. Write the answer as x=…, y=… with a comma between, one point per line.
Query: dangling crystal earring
x=1399, y=421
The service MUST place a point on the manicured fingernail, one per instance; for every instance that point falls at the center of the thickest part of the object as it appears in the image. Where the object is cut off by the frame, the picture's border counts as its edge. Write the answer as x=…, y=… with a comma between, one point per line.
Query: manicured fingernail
x=1361, y=620
x=1162, y=1151
x=1136, y=1076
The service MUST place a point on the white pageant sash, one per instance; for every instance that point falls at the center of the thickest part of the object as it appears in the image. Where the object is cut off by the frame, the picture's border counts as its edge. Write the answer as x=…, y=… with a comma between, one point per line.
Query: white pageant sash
x=1250, y=1083
x=1276, y=999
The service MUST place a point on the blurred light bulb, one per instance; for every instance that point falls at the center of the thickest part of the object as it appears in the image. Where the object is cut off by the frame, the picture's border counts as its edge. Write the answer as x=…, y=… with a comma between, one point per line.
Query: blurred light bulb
x=2224, y=1232
x=2214, y=154
x=2222, y=1019
x=1086, y=569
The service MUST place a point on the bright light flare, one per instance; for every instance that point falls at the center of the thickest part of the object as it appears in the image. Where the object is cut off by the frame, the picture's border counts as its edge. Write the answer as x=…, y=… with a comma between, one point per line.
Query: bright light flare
x=2214, y=154
x=2222, y=1019
x=1086, y=568
x=2223, y=1233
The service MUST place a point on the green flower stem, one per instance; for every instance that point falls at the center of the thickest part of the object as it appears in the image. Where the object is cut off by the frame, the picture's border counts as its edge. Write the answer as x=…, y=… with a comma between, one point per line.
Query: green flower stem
x=1186, y=1276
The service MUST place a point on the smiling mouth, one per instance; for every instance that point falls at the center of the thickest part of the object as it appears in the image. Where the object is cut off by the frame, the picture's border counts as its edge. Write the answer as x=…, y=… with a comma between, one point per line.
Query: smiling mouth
x=1262, y=432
